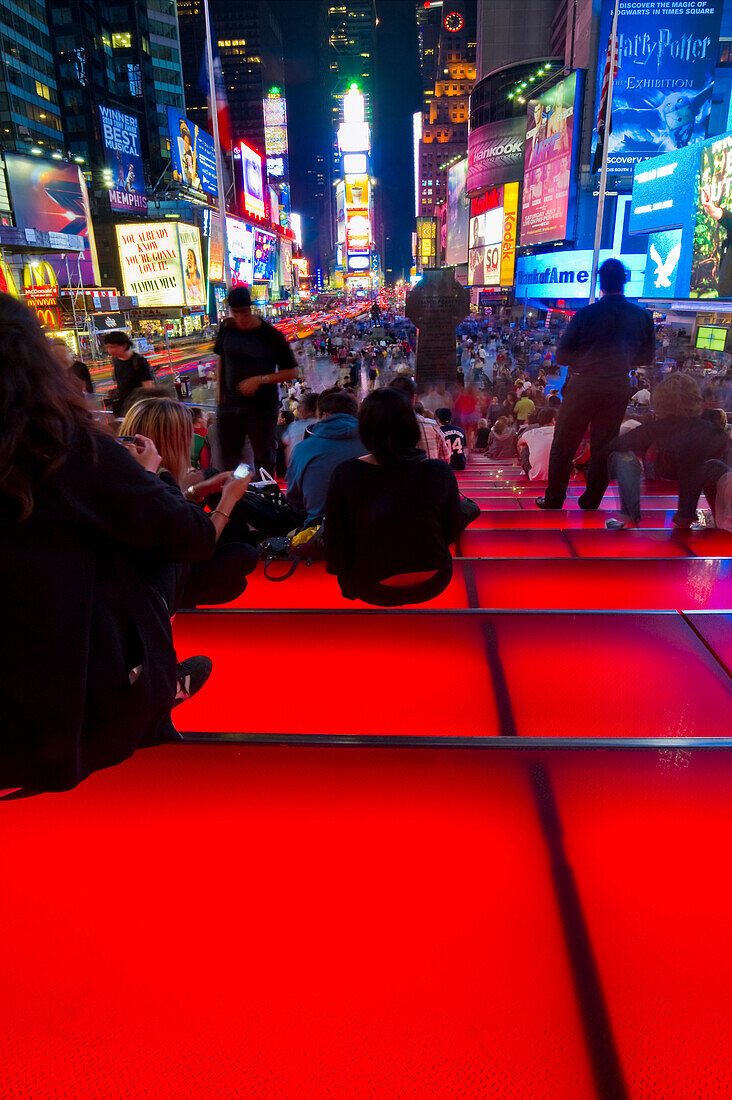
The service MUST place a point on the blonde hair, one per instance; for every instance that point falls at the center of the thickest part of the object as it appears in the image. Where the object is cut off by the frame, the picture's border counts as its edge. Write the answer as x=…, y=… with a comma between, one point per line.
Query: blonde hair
x=677, y=395
x=170, y=427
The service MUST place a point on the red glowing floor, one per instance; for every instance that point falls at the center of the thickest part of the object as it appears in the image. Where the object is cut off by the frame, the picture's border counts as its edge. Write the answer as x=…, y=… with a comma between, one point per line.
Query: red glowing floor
x=692, y=584
x=307, y=922
x=453, y=675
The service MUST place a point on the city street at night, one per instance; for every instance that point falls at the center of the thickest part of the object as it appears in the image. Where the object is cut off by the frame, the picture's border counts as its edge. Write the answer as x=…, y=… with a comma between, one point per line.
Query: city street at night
x=366, y=521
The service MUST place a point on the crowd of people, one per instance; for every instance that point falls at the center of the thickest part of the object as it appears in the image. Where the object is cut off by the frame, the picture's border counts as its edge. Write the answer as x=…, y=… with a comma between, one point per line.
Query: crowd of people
x=108, y=529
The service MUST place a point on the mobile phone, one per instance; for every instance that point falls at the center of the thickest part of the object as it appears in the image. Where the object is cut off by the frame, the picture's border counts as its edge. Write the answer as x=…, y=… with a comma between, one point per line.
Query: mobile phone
x=126, y=438
x=243, y=470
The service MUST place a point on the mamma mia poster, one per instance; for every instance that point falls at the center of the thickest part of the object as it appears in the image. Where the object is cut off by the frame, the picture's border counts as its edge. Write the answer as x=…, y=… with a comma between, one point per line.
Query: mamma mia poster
x=662, y=96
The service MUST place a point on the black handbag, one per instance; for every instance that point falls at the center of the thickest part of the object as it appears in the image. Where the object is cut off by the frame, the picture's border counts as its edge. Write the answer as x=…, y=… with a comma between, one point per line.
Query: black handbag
x=470, y=510
x=266, y=510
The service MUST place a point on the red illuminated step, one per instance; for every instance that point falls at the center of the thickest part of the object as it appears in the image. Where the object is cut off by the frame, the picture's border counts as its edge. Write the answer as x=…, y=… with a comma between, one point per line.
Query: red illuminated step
x=665, y=543
x=432, y=674
x=716, y=630
x=553, y=584
x=514, y=544
x=636, y=832
x=559, y=519
x=302, y=851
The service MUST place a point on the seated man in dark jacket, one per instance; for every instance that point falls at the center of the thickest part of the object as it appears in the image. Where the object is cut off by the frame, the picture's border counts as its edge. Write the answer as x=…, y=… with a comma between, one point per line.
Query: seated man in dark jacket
x=675, y=445
x=332, y=440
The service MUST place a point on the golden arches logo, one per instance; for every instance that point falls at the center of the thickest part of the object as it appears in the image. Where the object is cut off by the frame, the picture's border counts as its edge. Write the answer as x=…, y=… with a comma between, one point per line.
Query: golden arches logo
x=48, y=318
x=39, y=274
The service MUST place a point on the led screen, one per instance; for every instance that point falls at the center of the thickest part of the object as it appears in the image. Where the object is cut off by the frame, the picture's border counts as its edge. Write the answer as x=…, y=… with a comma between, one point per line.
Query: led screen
x=458, y=214
x=192, y=154
x=548, y=164
x=662, y=95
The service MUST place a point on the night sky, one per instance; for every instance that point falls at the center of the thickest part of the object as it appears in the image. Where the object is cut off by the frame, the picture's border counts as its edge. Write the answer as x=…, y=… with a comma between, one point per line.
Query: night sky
x=398, y=95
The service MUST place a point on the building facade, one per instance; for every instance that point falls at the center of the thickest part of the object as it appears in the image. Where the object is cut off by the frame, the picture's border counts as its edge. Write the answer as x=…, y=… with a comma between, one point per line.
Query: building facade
x=447, y=59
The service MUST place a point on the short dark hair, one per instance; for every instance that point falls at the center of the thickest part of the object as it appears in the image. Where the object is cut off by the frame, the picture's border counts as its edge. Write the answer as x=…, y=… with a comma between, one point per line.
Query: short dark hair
x=554, y=400
x=333, y=401
x=117, y=338
x=239, y=298
x=403, y=384
x=443, y=416
x=309, y=403
x=388, y=427
x=613, y=276
x=546, y=416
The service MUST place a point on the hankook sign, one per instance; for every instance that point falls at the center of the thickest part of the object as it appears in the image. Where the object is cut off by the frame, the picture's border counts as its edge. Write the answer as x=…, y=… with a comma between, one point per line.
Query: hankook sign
x=496, y=154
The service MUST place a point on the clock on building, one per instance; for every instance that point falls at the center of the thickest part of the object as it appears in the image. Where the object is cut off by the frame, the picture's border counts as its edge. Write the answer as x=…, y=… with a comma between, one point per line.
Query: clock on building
x=454, y=22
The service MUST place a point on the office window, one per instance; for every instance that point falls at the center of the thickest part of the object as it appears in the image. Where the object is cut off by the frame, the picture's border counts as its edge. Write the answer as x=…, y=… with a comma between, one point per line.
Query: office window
x=122, y=40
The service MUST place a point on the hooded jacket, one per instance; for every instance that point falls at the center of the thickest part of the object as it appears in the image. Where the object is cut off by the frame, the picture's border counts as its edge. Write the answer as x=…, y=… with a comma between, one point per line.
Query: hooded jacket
x=502, y=444
x=331, y=441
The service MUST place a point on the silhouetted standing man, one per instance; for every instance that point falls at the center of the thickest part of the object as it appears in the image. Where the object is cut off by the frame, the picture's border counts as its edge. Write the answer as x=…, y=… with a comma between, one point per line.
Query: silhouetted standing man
x=603, y=342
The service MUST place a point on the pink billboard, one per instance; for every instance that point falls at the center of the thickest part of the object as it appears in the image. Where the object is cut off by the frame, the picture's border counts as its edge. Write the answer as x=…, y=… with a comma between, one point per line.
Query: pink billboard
x=548, y=164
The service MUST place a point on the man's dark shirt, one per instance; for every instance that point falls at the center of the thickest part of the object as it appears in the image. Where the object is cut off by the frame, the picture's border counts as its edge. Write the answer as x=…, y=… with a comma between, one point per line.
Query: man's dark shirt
x=608, y=338
x=249, y=353
x=129, y=374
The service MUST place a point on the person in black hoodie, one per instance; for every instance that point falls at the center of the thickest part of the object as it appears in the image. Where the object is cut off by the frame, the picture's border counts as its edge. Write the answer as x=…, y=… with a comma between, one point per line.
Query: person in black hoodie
x=89, y=668
x=392, y=514
x=674, y=445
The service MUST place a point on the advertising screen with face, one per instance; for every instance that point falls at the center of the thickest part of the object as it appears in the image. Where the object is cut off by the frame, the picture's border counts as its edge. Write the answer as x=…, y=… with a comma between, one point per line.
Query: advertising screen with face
x=190, y=251
x=458, y=214
x=192, y=154
x=548, y=164
x=484, y=257
x=149, y=255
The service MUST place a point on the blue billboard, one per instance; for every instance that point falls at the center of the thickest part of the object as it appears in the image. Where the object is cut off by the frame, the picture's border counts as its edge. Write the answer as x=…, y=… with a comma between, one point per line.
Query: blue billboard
x=662, y=95
x=567, y=273
x=192, y=153
x=123, y=171
x=663, y=191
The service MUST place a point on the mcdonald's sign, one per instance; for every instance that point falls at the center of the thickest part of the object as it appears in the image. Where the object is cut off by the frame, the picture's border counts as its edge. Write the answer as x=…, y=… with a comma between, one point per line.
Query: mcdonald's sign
x=40, y=288
x=7, y=282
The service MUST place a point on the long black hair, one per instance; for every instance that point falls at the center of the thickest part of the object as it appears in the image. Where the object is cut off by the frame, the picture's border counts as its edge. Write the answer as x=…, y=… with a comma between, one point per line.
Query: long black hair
x=40, y=406
x=388, y=427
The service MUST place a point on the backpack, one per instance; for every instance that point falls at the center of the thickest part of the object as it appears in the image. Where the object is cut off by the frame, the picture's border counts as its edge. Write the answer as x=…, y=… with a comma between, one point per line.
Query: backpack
x=307, y=544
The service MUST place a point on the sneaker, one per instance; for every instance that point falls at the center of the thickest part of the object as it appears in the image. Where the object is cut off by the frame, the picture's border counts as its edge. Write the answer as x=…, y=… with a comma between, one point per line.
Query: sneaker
x=541, y=503
x=614, y=524
x=192, y=675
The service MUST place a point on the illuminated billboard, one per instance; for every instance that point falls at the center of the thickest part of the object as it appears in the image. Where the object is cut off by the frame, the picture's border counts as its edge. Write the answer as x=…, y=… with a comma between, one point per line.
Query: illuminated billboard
x=216, y=251
x=51, y=196
x=192, y=261
x=548, y=164
x=358, y=231
x=152, y=268
x=123, y=171
x=358, y=192
x=354, y=135
x=192, y=154
x=240, y=244
x=275, y=134
x=252, y=187
x=492, y=237
x=496, y=153
x=458, y=214
x=711, y=264
x=662, y=189
x=662, y=94
x=265, y=255
x=340, y=198
x=427, y=242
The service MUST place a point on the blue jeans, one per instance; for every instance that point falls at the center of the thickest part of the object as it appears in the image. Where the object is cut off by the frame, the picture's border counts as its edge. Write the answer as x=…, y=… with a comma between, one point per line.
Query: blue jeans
x=626, y=468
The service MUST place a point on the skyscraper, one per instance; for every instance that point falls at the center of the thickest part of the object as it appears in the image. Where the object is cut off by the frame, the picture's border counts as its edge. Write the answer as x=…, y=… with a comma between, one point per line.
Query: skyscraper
x=30, y=106
x=514, y=30
x=447, y=59
x=351, y=32
x=248, y=41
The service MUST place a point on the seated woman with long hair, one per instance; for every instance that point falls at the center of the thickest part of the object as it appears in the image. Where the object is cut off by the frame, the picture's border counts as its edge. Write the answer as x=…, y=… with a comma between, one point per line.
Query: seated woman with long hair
x=222, y=577
x=90, y=672
x=391, y=515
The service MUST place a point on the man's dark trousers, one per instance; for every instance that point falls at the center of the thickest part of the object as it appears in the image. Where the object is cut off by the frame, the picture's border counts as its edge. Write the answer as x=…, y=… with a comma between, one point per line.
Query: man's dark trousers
x=597, y=403
x=236, y=425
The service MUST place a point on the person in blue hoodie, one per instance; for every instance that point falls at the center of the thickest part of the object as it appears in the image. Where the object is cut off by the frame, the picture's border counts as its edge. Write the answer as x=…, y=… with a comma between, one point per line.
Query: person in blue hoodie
x=332, y=440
